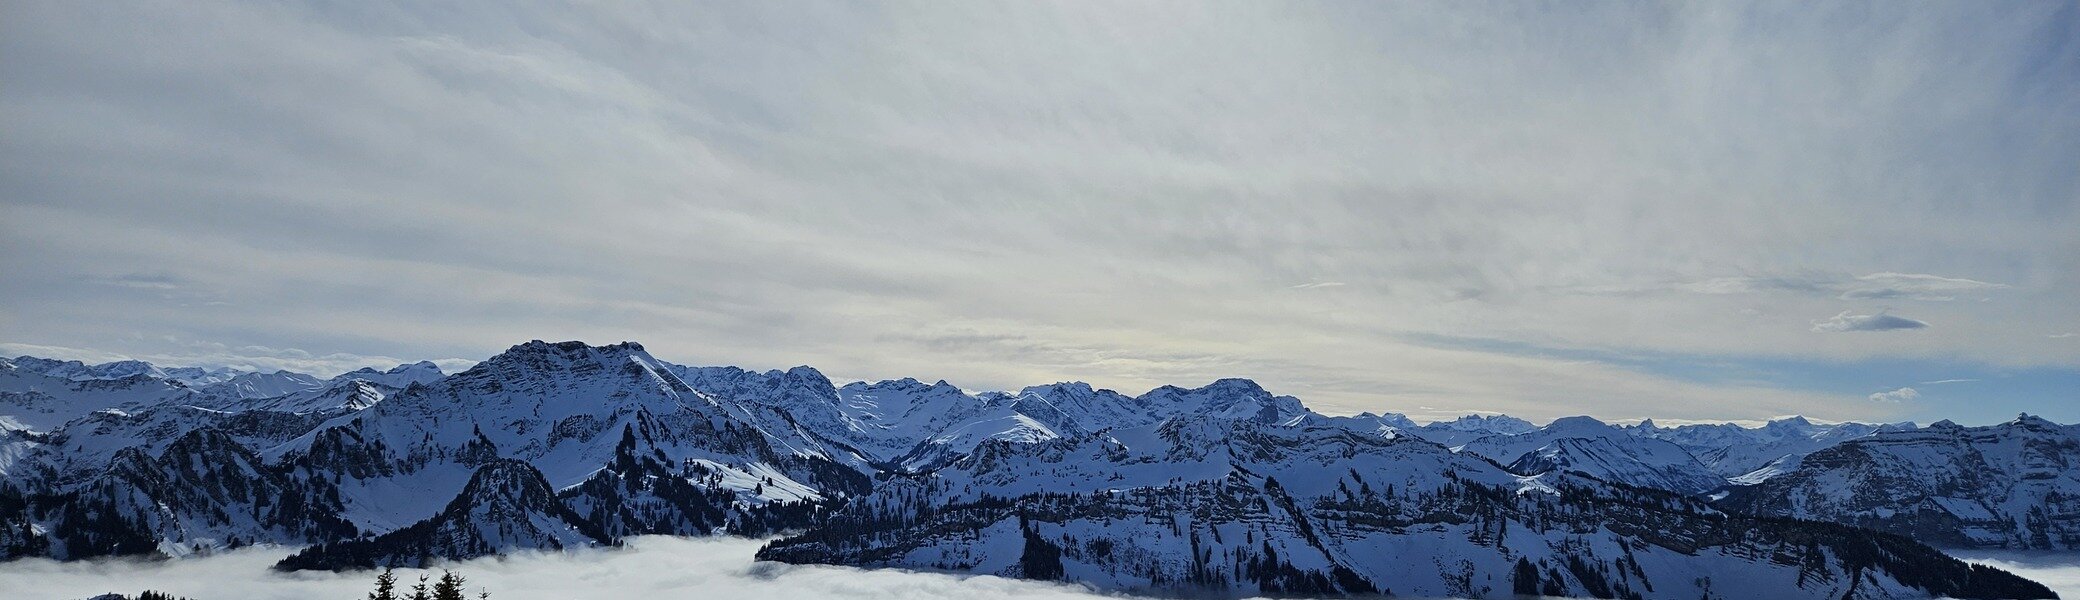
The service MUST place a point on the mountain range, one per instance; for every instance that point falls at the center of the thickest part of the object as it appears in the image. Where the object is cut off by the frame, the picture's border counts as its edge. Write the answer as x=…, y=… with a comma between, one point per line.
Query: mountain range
x=1225, y=489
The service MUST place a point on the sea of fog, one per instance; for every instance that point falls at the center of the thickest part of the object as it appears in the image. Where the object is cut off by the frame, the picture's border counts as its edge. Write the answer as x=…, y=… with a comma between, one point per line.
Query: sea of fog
x=2059, y=571
x=649, y=567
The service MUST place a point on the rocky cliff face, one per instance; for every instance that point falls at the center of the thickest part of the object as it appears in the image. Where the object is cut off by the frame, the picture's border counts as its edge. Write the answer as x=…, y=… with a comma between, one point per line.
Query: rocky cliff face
x=1239, y=509
x=2014, y=485
x=506, y=506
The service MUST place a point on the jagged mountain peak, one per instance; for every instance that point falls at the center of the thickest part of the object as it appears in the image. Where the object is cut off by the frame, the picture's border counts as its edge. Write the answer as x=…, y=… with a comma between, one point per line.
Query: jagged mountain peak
x=400, y=376
x=80, y=371
x=568, y=352
x=2010, y=485
x=1644, y=463
x=1060, y=388
x=506, y=506
x=1229, y=385
x=2034, y=422
x=539, y=365
x=265, y=385
x=1495, y=423
x=798, y=386
x=1790, y=421
x=909, y=384
x=1226, y=398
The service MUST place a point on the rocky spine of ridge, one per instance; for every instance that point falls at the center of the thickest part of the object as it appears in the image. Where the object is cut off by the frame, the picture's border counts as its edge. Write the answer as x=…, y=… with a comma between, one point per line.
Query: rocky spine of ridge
x=1239, y=508
x=506, y=506
x=2015, y=485
x=205, y=490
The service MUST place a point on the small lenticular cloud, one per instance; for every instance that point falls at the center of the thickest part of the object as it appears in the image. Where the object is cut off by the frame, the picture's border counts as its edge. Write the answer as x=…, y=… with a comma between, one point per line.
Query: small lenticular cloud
x=1877, y=322
x=1898, y=395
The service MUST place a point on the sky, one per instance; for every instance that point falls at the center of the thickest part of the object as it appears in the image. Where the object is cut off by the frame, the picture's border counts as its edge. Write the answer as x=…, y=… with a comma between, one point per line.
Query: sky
x=1683, y=211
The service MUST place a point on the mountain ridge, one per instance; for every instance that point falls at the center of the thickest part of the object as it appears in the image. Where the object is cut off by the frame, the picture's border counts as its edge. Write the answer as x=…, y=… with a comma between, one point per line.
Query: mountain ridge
x=609, y=441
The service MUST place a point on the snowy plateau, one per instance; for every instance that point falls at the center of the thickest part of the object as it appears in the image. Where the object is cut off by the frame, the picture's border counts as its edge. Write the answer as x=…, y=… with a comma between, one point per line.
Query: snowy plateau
x=1223, y=490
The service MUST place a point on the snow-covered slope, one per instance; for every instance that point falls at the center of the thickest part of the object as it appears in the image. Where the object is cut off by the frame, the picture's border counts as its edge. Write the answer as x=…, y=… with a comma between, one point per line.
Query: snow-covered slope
x=398, y=377
x=349, y=392
x=264, y=385
x=507, y=506
x=1384, y=425
x=2013, y=485
x=1730, y=450
x=334, y=398
x=1226, y=486
x=1588, y=446
x=560, y=407
x=205, y=490
x=1472, y=427
x=1624, y=461
x=39, y=400
x=1238, y=507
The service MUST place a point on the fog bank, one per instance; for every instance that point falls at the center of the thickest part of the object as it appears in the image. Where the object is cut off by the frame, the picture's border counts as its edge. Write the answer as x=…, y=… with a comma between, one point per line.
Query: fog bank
x=2058, y=571
x=649, y=567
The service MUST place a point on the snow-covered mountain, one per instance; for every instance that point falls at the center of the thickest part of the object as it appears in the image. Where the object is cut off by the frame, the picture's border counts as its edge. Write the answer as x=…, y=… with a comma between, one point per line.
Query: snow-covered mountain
x=507, y=506
x=264, y=385
x=37, y=396
x=1226, y=488
x=559, y=407
x=1731, y=450
x=1472, y=427
x=1587, y=446
x=2013, y=485
x=1239, y=507
x=398, y=377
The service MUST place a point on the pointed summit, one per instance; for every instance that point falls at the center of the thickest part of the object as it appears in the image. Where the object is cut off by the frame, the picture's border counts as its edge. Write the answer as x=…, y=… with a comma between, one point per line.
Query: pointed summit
x=507, y=504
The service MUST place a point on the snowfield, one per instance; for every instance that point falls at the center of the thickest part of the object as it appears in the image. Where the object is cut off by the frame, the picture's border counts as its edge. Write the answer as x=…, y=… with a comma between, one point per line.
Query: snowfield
x=1225, y=489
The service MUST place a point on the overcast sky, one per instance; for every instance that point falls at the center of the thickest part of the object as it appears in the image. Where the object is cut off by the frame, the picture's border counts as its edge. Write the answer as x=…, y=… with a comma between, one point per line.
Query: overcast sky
x=1681, y=211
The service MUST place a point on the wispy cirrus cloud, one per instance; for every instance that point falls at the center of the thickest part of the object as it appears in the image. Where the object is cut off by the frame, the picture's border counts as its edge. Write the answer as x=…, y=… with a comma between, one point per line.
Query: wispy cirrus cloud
x=1318, y=285
x=1914, y=286
x=1875, y=286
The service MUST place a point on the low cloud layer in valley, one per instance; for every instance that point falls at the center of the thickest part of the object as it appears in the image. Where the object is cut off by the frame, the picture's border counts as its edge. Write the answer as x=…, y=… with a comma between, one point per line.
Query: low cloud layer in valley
x=650, y=567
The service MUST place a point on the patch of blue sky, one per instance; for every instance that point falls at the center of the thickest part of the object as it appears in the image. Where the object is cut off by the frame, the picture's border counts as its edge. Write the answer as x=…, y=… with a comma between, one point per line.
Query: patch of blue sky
x=1966, y=392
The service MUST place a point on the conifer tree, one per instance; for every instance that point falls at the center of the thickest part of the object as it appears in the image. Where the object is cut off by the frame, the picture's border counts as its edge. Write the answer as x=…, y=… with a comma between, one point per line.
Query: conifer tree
x=449, y=587
x=386, y=586
x=419, y=589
